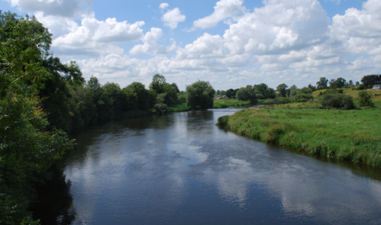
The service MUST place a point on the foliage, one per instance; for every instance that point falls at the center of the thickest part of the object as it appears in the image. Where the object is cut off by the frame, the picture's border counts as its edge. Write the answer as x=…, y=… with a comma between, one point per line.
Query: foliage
x=200, y=95
x=282, y=89
x=303, y=94
x=270, y=93
x=322, y=83
x=157, y=83
x=231, y=93
x=365, y=99
x=224, y=103
x=338, y=83
x=160, y=105
x=248, y=93
x=370, y=80
x=339, y=101
x=345, y=135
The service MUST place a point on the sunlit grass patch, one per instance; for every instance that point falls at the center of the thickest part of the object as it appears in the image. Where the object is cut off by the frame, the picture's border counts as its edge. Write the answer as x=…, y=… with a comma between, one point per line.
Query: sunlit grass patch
x=344, y=134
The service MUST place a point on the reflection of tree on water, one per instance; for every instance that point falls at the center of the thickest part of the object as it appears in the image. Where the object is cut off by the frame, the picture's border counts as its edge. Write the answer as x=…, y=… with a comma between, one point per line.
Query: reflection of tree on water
x=55, y=202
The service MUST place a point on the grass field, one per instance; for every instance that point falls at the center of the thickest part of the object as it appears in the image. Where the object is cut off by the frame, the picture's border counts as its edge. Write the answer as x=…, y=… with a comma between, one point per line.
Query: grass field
x=224, y=103
x=353, y=135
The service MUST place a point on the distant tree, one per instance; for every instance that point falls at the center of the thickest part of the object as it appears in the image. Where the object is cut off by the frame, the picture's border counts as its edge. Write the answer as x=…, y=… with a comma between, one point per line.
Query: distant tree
x=270, y=93
x=248, y=93
x=365, y=99
x=313, y=88
x=282, y=89
x=261, y=88
x=357, y=83
x=175, y=86
x=322, y=83
x=200, y=95
x=157, y=83
x=303, y=94
x=293, y=91
x=171, y=94
x=338, y=83
x=160, y=105
x=230, y=93
x=370, y=80
x=350, y=83
x=141, y=93
x=218, y=92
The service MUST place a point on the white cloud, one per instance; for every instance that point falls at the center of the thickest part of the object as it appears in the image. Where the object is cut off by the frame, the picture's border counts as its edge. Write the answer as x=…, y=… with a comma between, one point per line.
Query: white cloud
x=67, y=8
x=96, y=37
x=359, y=31
x=163, y=5
x=222, y=10
x=172, y=18
x=150, y=47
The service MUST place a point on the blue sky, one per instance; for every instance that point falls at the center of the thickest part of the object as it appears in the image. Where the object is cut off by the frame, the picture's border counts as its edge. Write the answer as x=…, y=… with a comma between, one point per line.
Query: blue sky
x=230, y=43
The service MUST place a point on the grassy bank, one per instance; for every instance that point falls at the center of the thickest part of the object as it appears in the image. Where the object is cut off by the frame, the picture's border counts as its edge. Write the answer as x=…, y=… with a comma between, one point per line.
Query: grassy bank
x=225, y=103
x=353, y=135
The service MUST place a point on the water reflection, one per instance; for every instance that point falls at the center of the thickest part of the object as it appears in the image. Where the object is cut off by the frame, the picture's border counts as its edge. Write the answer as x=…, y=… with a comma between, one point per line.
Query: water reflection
x=181, y=168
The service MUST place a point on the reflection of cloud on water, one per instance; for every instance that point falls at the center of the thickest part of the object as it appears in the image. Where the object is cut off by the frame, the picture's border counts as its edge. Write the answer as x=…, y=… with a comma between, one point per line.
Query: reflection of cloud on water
x=232, y=182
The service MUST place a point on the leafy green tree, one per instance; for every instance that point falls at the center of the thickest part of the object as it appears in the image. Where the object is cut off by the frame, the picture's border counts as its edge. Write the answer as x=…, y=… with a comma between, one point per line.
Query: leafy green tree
x=175, y=86
x=261, y=88
x=313, y=88
x=157, y=83
x=27, y=148
x=370, y=80
x=142, y=94
x=293, y=91
x=338, y=83
x=322, y=83
x=335, y=100
x=282, y=89
x=248, y=93
x=303, y=94
x=200, y=95
x=270, y=93
x=160, y=105
x=365, y=99
x=171, y=94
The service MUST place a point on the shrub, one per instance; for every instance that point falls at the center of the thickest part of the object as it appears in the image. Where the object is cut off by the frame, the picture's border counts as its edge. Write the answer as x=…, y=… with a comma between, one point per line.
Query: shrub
x=365, y=99
x=339, y=101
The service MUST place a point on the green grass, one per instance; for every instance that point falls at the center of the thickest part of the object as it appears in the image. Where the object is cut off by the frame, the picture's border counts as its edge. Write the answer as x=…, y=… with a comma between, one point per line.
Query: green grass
x=224, y=103
x=353, y=135
x=178, y=108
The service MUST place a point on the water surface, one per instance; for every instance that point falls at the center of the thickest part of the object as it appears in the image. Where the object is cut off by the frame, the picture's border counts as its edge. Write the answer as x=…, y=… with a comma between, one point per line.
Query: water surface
x=182, y=169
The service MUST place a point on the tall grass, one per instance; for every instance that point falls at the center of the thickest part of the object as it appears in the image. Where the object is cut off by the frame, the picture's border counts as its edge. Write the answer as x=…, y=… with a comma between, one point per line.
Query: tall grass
x=353, y=135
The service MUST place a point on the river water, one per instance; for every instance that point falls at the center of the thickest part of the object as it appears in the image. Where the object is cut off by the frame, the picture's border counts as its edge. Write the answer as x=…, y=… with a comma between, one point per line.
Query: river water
x=181, y=168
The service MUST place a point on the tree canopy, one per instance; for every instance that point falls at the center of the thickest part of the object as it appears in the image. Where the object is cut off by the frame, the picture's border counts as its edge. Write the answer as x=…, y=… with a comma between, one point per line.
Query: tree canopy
x=200, y=95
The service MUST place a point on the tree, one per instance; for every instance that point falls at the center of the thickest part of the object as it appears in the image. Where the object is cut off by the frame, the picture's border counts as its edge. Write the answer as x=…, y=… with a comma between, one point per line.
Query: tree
x=303, y=94
x=27, y=147
x=248, y=93
x=282, y=89
x=261, y=88
x=313, y=88
x=175, y=86
x=370, y=80
x=322, y=83
x=293, y=91
x=157, y=83
x=338, y=83
x=200, y=95
x=365, y=99
x=171, y=94
x=141, y=93
x=270, y=93
x=160, y=105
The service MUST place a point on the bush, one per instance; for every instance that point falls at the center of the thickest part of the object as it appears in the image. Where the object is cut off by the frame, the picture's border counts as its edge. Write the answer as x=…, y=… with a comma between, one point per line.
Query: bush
x=339, y=101
x=365, y=99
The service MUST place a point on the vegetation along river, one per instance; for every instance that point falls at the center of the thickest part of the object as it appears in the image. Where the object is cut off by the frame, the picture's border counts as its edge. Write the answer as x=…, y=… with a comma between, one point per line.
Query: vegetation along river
x=181, y=168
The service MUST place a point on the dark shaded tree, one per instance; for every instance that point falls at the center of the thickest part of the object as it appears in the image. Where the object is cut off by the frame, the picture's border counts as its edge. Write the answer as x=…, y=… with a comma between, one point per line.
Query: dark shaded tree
x=200, y=95
x=322, y=83
x=282, y=89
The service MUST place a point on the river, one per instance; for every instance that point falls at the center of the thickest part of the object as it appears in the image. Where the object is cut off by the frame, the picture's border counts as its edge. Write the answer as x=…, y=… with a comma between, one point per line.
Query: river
x=181, y=168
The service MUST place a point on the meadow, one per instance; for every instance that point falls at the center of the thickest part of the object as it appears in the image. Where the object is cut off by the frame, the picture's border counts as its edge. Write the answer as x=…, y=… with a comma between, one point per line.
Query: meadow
x=352, y=135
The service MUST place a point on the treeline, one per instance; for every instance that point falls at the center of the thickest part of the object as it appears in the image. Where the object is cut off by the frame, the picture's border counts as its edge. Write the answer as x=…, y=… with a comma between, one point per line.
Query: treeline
x=285, y=94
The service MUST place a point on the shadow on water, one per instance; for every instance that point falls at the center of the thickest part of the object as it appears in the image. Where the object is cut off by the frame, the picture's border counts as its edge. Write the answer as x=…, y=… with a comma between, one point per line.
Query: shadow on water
x=55, y=202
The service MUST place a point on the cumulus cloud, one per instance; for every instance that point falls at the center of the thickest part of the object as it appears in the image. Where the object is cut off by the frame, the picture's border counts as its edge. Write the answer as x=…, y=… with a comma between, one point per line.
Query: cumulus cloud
x=150, y=47
x=67, y=8
x=172, y=17
x=163, y=5
x=222, y=10
x=94, y=37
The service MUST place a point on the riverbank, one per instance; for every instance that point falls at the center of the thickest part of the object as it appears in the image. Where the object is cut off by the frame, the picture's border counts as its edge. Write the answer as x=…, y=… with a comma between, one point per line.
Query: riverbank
x=352, y=135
